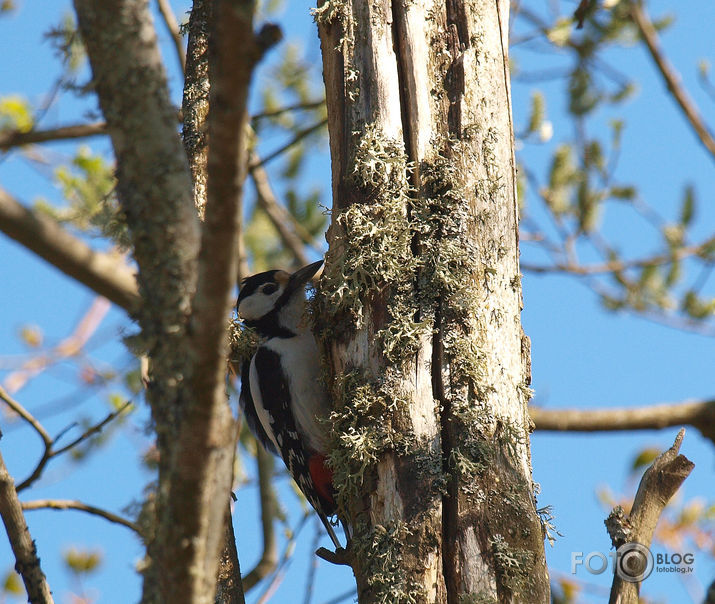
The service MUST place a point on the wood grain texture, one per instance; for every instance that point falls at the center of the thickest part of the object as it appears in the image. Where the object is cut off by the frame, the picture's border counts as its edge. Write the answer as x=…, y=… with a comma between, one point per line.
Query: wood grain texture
x=430, y=76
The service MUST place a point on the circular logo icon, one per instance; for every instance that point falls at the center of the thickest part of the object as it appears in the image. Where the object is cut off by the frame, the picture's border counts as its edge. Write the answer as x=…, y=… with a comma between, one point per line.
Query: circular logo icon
x=634, y=562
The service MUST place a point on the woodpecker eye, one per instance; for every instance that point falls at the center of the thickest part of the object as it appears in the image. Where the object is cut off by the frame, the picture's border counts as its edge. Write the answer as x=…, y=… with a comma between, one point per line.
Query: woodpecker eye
x=269, y=288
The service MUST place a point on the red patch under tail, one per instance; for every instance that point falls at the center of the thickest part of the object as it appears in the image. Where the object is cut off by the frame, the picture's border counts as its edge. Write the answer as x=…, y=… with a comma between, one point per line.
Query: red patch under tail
x=322, y=477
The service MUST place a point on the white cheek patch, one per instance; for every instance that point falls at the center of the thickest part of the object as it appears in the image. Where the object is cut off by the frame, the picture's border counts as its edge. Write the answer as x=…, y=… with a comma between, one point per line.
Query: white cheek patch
x=257, y=305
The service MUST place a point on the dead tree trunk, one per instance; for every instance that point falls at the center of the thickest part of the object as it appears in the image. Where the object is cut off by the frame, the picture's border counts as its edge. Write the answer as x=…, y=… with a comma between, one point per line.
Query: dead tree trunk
x=421, y=301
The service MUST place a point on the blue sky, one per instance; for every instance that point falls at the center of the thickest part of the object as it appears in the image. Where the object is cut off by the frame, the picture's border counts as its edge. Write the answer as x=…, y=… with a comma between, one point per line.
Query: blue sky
x=582, y=356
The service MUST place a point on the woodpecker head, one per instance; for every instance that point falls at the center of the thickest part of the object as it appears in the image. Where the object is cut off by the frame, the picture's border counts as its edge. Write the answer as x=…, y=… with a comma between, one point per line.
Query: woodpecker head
x=274, y=302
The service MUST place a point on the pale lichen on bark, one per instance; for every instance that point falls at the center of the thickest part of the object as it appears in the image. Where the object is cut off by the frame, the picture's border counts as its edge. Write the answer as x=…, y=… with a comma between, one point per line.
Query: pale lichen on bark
x=425, y=279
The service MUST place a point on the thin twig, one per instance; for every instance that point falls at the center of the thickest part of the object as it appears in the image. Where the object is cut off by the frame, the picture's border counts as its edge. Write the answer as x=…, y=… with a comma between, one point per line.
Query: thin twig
x=269, y=558
x=284, y=561
x=312, y=571
x=92, y=430
x=17, y=138
x=50, y=97
x=288, y=108
x=68, y=347
x=27, y=416
x=23, y=547
x=46, y=440
x=655, y=315
x=699, y=414
x=70, y=504
x=300, y=135
x=541, y=75
x=671, y=77
x=277, y=214
x=50, y=453
x=621, y=265
x=167, y=14
x=280, y=212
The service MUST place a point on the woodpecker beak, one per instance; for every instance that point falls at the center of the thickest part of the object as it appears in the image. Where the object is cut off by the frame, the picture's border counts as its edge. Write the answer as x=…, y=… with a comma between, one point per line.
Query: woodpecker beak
x=300, y=277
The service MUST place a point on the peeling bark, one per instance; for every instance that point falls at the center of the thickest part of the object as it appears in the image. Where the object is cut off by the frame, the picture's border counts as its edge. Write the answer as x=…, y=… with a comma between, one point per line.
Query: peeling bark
x=422, y=89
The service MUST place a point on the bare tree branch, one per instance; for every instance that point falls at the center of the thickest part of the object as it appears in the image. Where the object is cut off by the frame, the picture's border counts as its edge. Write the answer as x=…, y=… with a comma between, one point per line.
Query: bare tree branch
x=585, y=7
x=17, y=138
x=285, y=560
x=195, y=102
x=195, y=107
x=299, y=136
x=229, y=589
x=622, y=265
x=167, y=14
x=70, y=346
x=699, y=414
x=659, y=483
x=92, y=430
x=275, y=212
x=27, y=416
x=153, y=184
x=23, y=547
x=269, y=558
x=48, y=442
x=671, y=77
x=50, y=452
x=288, y=108
x=69, y=504
x=201, y=472
x=155, y=189
x=104, y=273
x=313, y=569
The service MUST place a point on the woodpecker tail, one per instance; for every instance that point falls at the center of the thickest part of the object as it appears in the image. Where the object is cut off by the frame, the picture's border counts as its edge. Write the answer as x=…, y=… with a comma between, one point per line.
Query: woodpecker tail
x=331, y=532
x=346, y=528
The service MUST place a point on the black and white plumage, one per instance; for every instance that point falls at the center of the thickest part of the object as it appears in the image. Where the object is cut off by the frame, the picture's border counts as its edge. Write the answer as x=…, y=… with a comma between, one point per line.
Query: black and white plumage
x=282, y=394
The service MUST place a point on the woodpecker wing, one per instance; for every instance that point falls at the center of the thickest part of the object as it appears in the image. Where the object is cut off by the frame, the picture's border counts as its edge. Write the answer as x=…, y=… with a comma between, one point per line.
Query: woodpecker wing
x=248, y=406
x=275, y=398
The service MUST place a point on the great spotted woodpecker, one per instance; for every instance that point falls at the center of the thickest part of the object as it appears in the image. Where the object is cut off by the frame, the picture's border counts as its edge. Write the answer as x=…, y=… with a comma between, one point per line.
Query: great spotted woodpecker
x=282, y=395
